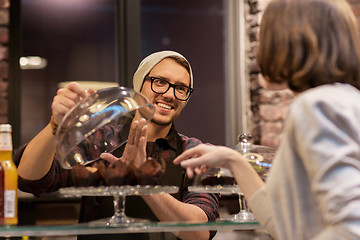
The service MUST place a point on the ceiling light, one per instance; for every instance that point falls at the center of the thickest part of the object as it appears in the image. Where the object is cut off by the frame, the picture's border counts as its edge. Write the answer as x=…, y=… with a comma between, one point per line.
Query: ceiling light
x=32, y=62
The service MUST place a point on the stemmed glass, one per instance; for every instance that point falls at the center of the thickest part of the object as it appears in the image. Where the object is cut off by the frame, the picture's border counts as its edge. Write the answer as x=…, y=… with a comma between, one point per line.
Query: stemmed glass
x=244, y=215
x=119, y=193
x=119, y=217
x=219, y=180
x=260, y=157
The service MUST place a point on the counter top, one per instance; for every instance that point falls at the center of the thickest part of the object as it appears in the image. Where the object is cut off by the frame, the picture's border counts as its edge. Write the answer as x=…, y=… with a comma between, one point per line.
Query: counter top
x=88, y=228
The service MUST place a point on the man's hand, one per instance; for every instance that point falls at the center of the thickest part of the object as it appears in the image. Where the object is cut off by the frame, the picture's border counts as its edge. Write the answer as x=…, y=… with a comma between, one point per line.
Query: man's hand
x=67, y=98
x=39, y=154
x=135, y=149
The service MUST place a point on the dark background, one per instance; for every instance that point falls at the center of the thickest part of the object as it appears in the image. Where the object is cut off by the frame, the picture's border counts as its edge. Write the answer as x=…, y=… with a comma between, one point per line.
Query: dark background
x=78, y=40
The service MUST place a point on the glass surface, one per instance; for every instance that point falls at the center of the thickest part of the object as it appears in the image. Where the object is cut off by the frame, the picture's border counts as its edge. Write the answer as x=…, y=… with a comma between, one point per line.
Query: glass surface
x=99, y=123
x=85, y=228
x=117, y=190
x=222, y=189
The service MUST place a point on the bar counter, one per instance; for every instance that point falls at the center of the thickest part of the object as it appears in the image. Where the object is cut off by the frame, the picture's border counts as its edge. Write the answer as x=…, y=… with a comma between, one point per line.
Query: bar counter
x=245, y=229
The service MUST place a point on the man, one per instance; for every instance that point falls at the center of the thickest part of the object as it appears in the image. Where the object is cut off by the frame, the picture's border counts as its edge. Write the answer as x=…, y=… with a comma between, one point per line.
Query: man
x=165, y=78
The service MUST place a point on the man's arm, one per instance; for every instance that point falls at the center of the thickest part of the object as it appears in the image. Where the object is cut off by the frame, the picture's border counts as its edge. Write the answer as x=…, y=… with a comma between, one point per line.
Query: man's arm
x=168, y=209
x=39, y=154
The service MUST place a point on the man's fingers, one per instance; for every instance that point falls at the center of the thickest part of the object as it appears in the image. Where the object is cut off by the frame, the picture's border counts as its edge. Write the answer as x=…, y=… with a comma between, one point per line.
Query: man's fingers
x=140, y=131
x=76, y=88
x=109, y=157
x=132, y=133
x=137, y=134
x=144, y=132
x=142, y=149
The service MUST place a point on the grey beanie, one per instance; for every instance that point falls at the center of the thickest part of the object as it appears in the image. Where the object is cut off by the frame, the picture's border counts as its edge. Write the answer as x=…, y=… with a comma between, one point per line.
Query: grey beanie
x=149, y=63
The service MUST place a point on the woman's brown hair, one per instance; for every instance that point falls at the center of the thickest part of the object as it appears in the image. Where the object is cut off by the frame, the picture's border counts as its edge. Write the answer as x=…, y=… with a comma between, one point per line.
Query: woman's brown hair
x=308, y=43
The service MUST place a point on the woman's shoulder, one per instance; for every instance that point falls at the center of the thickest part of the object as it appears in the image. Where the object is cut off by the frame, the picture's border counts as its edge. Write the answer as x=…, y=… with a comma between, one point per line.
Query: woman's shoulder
x=335, y=95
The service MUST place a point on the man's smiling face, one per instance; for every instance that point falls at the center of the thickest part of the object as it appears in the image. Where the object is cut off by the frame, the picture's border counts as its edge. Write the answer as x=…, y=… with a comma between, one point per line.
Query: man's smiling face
x=168, y=108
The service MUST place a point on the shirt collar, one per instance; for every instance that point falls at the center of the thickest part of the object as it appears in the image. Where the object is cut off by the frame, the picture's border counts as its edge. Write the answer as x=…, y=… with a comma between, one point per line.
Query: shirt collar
x=170, y=139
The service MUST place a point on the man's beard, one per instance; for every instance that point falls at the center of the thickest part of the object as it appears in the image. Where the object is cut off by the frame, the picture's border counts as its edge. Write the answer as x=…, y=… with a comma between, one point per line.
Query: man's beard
x=162, y=123
x=165, y=123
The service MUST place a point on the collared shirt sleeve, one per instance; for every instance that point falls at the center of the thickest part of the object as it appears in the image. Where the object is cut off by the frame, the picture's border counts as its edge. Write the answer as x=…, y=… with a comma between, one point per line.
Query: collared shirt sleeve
x=208, y=202
x=56, y=178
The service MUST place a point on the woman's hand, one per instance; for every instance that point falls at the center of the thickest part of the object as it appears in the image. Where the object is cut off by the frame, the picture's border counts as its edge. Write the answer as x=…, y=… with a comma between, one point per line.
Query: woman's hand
x=202, y=157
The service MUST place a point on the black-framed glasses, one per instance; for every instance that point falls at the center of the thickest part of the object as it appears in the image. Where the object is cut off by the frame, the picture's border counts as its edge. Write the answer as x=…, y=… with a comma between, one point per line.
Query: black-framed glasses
x=161, y=86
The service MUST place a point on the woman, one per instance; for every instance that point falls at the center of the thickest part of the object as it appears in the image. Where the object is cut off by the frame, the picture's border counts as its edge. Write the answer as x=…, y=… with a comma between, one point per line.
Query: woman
x=313, y=189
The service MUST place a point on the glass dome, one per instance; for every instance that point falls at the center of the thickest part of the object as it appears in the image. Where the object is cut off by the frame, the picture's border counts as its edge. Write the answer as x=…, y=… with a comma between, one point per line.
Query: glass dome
x=259, y=156
x=99, y=123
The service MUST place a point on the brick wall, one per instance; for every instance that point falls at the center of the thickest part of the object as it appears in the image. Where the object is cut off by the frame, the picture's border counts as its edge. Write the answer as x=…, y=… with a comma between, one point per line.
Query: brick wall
x=4, y=71
x=269, y=108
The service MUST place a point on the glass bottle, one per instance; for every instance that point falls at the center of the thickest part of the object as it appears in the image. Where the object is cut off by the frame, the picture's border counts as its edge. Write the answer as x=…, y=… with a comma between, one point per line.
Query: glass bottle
x=10, y=176
x=2, y=195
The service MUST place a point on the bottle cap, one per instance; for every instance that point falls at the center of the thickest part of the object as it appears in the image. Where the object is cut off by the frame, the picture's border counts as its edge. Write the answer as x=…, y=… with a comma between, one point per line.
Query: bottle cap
x=5, y=128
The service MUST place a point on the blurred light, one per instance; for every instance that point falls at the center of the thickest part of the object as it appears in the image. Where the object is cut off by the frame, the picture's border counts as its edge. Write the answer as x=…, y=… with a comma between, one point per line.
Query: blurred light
x=91, y=84
x=32, y=62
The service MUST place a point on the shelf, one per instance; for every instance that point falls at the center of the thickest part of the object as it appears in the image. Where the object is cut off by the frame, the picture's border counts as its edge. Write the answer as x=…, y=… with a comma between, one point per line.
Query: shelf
x=82, y=229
